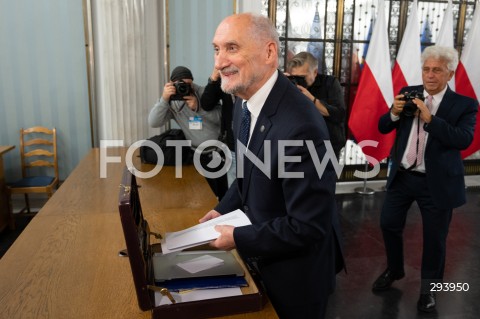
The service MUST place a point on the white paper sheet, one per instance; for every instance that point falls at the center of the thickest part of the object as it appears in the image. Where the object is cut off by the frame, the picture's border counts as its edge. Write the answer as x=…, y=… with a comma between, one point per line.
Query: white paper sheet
x=202, y=233
x=200, y=263
x=193, y=295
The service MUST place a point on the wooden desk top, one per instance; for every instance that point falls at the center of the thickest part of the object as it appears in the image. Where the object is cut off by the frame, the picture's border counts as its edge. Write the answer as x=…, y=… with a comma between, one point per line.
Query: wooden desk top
x=66, y=265
x=94, y=195
x=4, y=149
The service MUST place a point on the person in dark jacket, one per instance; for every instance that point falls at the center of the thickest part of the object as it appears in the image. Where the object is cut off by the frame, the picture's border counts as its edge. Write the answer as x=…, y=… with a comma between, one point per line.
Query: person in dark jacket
x=210, y=99
x=426, y=168
x=326, y=94
x=295, y=232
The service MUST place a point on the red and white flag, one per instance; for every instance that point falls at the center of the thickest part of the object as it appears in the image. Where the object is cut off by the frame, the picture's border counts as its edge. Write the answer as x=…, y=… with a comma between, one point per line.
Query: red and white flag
x=374, y=94
x=467, y=76
x=445, y=34
x=408, y=67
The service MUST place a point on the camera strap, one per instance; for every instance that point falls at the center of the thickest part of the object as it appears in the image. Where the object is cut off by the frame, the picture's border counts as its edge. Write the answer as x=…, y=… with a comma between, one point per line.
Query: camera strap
x=181, y=104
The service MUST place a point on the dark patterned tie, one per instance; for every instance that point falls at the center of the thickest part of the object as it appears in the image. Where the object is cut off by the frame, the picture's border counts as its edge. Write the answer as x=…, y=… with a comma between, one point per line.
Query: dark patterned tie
x=245, y=125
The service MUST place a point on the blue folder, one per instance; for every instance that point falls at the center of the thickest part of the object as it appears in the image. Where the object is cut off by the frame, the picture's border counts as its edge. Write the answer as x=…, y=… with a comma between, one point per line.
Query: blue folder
x=177, y=285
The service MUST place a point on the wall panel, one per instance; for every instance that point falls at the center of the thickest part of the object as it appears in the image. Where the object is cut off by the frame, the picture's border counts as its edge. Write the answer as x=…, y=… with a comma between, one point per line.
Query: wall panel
x=43, y=77
x=192, y=25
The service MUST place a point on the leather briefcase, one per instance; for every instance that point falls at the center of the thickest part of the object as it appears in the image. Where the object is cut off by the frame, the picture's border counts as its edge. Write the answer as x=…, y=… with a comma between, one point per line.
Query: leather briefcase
x=140, y=252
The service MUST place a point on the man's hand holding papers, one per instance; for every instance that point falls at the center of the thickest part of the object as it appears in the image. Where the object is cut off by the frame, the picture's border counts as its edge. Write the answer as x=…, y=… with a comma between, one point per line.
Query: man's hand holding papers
x=214, y=227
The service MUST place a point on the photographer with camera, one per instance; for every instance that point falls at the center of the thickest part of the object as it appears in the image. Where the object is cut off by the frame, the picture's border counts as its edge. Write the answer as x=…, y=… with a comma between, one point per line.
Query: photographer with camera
x=180, y=101
x=324, y=91
x=433, y=124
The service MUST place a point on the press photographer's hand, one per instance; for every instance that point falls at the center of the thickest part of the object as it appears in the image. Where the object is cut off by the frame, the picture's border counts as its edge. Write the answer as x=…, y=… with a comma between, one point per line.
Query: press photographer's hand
x=398, y=104
x=423, y=111
x=306, y=92
x=168, y=91
x=191, y=102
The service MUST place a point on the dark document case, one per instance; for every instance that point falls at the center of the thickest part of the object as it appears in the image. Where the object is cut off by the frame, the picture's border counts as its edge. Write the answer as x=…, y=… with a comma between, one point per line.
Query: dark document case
x=141, y=255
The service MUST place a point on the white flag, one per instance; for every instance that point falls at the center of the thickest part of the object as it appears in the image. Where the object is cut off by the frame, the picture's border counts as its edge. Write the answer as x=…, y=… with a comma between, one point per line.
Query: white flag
x=407, y=70
x=445, y=34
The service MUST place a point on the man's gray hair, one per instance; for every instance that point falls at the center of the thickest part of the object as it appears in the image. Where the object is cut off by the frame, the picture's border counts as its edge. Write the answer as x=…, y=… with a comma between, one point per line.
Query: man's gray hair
x=263, y=29
x=448, y=54
x=300, y=59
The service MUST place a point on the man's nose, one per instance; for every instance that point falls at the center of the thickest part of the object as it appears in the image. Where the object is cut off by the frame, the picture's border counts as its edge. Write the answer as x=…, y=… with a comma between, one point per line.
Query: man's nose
x=221, y=60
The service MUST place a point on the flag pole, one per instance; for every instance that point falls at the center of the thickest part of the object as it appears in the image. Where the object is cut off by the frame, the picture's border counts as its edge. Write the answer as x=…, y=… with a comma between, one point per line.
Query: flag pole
x=365, y=190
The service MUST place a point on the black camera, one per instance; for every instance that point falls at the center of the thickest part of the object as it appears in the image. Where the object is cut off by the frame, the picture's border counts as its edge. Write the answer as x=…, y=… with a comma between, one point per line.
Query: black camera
x=298, y=80
x=410, y=108
x=182, y=89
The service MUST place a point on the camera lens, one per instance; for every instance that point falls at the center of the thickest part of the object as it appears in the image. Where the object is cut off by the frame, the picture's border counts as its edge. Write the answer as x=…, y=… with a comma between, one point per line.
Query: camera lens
x=410, y=108
x=182, y=88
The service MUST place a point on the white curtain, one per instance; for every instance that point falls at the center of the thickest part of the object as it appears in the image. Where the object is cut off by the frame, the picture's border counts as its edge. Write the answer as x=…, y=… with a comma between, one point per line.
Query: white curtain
x=129, y=50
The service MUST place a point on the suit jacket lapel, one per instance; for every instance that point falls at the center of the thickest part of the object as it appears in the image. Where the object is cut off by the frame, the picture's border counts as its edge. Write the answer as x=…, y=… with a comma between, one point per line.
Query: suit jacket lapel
x=446, y=104
x=444, y=108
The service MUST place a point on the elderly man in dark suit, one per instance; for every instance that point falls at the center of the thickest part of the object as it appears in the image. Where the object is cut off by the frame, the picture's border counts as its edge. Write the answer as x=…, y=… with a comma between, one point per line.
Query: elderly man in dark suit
x=426, y=168
x=294, y=236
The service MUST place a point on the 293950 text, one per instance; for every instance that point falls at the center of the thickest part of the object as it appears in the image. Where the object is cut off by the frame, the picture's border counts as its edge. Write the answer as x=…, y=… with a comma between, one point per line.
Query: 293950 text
x=449, y=286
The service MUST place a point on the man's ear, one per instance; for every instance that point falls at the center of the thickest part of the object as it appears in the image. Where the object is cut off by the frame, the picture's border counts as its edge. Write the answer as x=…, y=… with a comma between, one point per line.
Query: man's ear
x=451, y=75
x=271, y=51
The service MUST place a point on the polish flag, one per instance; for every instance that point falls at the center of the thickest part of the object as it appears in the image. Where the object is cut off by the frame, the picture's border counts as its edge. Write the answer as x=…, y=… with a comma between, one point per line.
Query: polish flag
x=467, y=76
x=374, y=94
x=445, y=34
x=407, y=70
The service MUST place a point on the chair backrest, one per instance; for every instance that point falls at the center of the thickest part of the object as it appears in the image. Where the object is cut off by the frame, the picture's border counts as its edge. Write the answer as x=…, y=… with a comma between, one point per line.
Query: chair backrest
x=38, y=148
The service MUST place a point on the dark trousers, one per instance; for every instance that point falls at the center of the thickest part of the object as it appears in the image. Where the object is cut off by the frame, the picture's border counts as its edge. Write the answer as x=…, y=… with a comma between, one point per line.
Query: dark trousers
x=218, y=185
x=404, y=189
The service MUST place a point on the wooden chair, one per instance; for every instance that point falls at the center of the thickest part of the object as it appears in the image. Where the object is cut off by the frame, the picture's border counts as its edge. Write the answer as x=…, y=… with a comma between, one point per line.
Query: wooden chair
x=38, y=154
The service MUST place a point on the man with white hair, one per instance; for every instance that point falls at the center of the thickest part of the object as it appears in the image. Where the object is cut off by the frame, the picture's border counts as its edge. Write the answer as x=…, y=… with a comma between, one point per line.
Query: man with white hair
x=433, y=124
